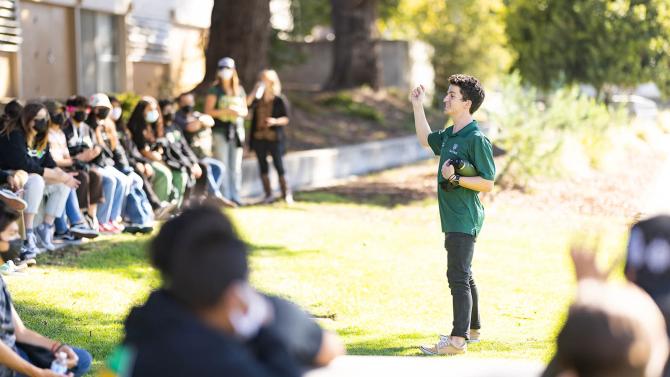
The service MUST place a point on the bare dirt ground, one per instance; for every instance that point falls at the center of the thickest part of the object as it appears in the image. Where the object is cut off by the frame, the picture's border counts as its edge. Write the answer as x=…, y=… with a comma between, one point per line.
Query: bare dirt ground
x=620, y=189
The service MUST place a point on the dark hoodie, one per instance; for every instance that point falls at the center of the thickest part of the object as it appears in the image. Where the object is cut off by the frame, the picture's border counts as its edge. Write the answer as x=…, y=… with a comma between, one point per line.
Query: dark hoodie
x=168, y=340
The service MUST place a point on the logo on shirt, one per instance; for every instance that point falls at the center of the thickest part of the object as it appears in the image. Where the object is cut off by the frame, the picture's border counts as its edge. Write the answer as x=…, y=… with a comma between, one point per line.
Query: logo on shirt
x=454, y=149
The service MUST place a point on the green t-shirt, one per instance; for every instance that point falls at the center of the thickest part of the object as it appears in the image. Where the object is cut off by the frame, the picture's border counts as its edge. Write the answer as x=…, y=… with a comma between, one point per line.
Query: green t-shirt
x=224, y=101
x=460, y=209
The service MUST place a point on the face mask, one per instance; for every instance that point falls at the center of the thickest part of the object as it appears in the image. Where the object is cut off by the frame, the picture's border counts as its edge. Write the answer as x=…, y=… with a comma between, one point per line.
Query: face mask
x=167, y=117
x=41, y=125
x=79, y=116
x=246, y=325
x=13, y=248
x=58, y=119
x=152, y=116
x=187, y=109
x=116, y=113
x=226, y=74
x=102, y=113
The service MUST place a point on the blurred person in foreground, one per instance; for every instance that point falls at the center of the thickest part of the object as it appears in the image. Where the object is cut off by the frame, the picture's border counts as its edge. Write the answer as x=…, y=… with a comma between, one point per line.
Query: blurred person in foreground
x=615, y=329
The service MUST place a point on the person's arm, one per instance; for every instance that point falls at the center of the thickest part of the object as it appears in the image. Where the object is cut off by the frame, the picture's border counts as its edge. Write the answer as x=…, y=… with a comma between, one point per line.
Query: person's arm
x=481, y=153
x=151, y=155
x=59, y=176
x=421, y=126
x=476, y=184
x=283, y=121
x=13, y=361
x=331, y=347
x=210, y=104
x=25, y=335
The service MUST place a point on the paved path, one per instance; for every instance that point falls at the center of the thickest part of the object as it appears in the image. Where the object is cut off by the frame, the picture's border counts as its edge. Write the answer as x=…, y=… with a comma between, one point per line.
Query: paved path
x=388, y=366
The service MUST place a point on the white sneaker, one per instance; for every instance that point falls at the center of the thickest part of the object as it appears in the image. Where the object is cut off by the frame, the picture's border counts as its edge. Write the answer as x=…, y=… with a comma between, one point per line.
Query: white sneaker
x=83, y=231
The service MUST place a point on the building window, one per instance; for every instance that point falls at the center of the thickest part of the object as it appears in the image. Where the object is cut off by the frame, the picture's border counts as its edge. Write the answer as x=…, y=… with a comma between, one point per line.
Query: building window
x=100, y=62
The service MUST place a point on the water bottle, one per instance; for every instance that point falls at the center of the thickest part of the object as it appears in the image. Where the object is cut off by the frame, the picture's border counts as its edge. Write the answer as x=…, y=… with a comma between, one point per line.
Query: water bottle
x=59, y=365
x=463, y=168
x=260, y=91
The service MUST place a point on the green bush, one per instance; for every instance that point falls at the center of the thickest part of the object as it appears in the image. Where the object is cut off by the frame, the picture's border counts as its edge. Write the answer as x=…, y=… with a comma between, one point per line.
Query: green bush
x=128, y=102
x=534, y=130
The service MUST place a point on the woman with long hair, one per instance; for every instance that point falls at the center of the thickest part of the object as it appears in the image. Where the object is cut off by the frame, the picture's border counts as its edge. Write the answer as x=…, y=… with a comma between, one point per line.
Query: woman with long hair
x=226, y=103
x=24, y=146
x=270, y=116
x=146, y=126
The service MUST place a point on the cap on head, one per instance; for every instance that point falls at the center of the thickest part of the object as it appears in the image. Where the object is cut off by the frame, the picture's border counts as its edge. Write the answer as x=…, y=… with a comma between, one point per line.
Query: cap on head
x=226, y=63
x=100, y=100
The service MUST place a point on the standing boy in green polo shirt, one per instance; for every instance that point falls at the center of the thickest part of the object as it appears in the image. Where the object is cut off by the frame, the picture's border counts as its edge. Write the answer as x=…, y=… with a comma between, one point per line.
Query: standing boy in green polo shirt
x=461, y=212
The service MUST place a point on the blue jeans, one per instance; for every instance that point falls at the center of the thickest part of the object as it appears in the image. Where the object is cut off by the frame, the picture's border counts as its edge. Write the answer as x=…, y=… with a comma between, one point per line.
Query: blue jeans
x=71, y=212
x=138, y=209
x=230, y=155
x=115, y=187
x=82, y=367
x=215, y=170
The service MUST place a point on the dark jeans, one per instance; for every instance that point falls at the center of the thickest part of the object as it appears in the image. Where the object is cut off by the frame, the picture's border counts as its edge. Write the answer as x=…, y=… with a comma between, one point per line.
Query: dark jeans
x=84, y=365
x=265, y=147
x=460, y=250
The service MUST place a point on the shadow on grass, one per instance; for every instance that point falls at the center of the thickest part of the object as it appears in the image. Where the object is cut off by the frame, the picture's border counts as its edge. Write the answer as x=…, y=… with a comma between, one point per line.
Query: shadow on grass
x=382, y=345
x=276, y=251
x=129, y=254
x=96, y=332
x=381, y=194
x=101, y=254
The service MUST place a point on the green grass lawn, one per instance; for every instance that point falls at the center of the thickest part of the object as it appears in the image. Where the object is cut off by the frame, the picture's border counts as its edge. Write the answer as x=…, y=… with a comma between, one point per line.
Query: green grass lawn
x=375, y=274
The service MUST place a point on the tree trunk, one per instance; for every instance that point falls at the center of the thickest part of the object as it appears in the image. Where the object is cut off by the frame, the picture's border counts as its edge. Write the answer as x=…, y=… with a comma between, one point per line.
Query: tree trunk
x=356, y=47
x=240, y=30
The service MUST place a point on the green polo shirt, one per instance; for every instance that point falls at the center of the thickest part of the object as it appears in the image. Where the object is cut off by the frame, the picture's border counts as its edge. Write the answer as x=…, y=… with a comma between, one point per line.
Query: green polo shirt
x=461, y=210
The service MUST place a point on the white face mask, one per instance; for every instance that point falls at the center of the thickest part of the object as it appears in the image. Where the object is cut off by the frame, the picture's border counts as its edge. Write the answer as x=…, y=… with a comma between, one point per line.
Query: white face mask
x=226, y=74
x=151, y=116
x=116, y=113
x=246, y=325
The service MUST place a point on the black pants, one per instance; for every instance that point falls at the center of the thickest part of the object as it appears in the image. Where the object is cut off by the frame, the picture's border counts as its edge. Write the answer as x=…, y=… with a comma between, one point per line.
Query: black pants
x=460, y=250
x=262, y=149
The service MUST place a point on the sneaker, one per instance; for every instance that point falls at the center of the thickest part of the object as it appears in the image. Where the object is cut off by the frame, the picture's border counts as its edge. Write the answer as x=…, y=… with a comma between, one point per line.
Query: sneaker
x=474, y=336
x=108, y=228
x=12, y=200
x=29, y=248
x=132, y=228
x=83, y=231
x=92, y=221
x=7, y=268
x=444, y=347
x=44, y=236
x=25, y=262
x=65, y=239
x=164, y=212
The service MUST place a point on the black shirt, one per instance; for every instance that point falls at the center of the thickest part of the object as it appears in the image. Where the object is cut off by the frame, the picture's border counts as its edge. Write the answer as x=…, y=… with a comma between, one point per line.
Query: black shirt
x=168, y=340
x=280, y=108
x=15, y=154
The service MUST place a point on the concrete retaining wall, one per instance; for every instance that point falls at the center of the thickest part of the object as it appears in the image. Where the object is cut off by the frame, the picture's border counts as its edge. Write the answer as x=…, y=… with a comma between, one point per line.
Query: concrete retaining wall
x=319, y=167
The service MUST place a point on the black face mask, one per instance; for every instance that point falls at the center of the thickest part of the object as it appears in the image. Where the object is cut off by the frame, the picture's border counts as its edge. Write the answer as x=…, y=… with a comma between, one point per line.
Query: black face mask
x=58, y=119
x=102, y=113
x=187, y=109
x=167, y=118
x=41, y=126
x=79, y=116
x=14, y=250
